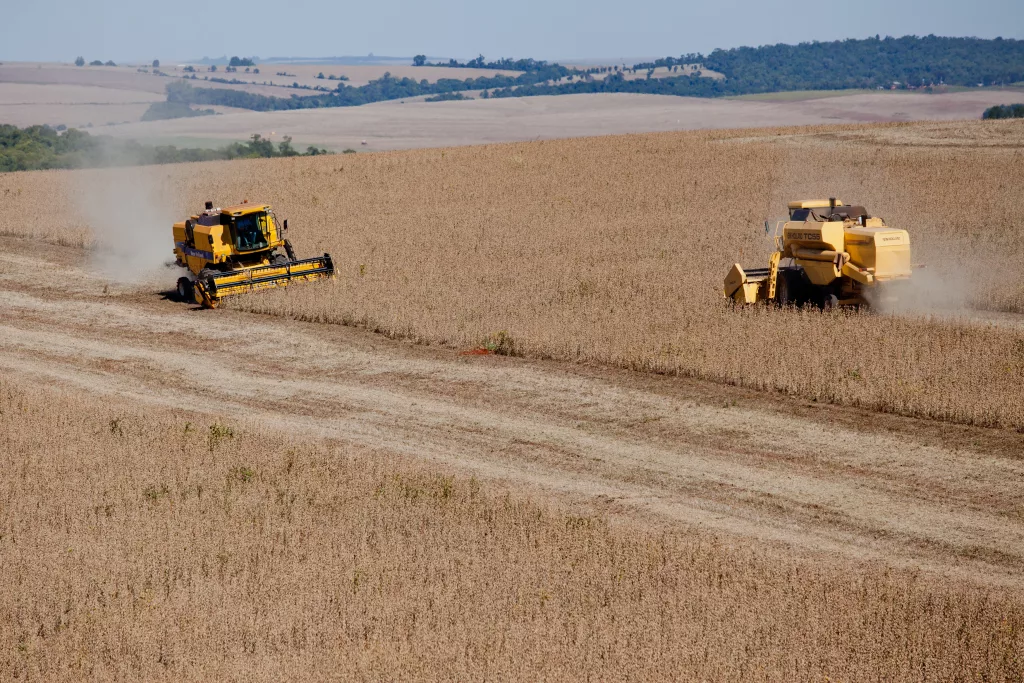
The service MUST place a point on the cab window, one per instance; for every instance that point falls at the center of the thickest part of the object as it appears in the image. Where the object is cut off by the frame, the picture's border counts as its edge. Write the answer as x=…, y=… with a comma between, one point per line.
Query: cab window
x=819, y=214
x=251, y=232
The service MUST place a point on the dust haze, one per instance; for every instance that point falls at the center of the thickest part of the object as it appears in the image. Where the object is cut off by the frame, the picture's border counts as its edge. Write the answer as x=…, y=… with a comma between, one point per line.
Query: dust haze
x=934, y=288
x=130, y=213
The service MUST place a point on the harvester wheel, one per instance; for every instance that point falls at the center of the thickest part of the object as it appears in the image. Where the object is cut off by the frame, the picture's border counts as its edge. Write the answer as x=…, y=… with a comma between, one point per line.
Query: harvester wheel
x=791, y=288
x=185, y=290
x=829, y=301
x=786, y=289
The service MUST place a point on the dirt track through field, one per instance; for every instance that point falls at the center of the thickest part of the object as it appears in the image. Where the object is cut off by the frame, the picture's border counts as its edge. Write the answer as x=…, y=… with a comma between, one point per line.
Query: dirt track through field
x=664, y=451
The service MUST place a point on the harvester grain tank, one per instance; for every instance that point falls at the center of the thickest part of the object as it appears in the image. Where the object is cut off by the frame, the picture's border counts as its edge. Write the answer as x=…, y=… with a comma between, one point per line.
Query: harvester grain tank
x=238, y=249
x=827, y=253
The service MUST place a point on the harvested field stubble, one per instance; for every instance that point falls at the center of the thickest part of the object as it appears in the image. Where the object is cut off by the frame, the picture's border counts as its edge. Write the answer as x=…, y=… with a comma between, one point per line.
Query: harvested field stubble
x=613, y=249
x=168, y=545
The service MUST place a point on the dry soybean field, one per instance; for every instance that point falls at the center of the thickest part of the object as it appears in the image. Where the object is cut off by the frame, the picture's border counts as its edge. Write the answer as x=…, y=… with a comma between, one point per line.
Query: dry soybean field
x=613, y=250
x=638, y=483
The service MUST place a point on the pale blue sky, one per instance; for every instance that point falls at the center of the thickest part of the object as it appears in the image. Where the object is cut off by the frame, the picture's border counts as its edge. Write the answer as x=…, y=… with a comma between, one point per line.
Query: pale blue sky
x=123, y=30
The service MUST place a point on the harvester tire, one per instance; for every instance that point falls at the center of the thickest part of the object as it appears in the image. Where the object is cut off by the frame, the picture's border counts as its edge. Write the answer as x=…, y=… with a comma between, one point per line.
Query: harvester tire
x=787, y=288
x=186, y=292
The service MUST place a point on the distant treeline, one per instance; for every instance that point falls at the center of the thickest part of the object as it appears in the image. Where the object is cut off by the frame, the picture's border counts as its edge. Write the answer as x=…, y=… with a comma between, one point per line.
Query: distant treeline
x=868, y=63
x=42, y=147
x=528, y=65
x=1004, y=111
x=386, y=87
x=871, y=63
x=447, y=97
x=159, y=111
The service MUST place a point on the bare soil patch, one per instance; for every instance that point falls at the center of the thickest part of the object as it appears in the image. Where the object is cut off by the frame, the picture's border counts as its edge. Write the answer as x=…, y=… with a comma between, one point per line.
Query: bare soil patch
x=112, y=77
x=197, y=546
x=672, y=451
x=404, y=125
x=76, y=106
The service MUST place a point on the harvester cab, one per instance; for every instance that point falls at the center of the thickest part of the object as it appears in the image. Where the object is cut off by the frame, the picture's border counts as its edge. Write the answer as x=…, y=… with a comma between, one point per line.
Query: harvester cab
x=238, y=249
x=827, y=253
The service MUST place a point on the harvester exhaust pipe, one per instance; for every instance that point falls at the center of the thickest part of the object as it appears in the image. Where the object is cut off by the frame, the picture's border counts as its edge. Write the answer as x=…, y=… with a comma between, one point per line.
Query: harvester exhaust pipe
x=831, y=202
x=209, y=206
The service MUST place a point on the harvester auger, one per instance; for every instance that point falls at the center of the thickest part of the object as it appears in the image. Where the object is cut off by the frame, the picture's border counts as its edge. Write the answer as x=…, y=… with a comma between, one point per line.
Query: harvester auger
x=238, y=249
x=828, y=254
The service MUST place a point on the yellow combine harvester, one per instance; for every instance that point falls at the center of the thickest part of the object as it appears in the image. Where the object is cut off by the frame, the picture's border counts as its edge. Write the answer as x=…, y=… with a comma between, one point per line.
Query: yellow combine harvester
x=238, y=249
x=827, y=253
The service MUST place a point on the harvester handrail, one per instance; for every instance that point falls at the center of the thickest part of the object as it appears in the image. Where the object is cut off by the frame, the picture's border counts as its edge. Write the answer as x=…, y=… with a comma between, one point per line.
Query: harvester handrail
x=776, y=235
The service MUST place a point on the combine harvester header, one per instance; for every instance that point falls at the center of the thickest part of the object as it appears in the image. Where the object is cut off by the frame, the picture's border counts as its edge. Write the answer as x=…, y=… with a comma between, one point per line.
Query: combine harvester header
x=238, y=249
x=828, y=254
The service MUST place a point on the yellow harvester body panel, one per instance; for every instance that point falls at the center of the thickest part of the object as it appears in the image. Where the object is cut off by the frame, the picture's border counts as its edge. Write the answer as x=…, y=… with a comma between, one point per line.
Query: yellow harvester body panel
x=214, y=242
x=813, y=203
x=237, y=249
x=753, y=285
x=881, y=250
x=814, y=236
x=832, y=251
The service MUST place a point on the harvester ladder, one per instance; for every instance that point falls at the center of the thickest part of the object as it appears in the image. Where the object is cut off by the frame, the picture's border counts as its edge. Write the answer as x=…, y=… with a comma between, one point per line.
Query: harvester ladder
x=773, y=274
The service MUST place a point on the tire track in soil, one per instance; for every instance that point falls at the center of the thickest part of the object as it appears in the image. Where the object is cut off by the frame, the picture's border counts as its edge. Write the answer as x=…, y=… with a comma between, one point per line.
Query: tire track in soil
x=662, y=451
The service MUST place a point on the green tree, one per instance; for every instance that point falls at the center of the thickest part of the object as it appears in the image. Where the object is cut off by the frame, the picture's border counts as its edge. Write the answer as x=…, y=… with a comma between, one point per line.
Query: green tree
x=419, y=60
x=260, y=146
x=156, y=63
x=80, y=61
x=1006, y=111
x=285, y=148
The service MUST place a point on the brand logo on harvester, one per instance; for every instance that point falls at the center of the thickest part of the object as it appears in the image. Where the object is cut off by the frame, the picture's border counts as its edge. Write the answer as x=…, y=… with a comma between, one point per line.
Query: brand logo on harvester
x=805, y=235
x=892, y=238
x=198, y=253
